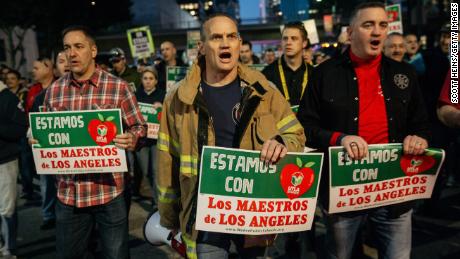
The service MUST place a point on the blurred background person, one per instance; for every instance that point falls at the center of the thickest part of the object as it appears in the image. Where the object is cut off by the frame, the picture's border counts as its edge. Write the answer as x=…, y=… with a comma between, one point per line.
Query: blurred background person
x=393, y=47
x=413, y=55
x=247, y=57
x=147, y=155
x=122, y=70
x=269, y=56
x=61, y=67
x=13, y=126
x=168, y=52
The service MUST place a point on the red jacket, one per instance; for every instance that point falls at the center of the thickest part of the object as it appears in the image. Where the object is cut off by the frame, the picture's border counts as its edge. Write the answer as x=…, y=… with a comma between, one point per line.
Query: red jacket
x=34, y=90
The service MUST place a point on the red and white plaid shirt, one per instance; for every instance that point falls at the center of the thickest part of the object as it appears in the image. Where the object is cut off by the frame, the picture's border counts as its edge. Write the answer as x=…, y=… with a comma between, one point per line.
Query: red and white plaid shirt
x=101, y=91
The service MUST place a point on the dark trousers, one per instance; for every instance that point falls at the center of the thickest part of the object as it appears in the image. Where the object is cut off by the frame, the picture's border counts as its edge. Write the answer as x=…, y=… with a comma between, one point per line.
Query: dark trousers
x=74, y=227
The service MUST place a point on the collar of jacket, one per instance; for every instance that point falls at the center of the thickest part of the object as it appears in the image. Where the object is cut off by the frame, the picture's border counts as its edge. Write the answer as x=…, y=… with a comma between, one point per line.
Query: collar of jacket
x=2, y=86
x=345, y=58
x=190, y=86
x=385, y=63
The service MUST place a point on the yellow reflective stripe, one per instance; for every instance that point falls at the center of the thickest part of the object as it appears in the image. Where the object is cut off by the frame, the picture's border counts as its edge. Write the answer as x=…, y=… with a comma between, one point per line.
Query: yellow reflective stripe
x=188, y=164
x=167, y=195
x=164, y=143
x=187, y=158
x=162, y=147
x=291, y=127
x=164, y=139
x=285, y=121
x=191, y=247
x=294, y=128
x=166, y=200
x=289, y=124
x=188, y=170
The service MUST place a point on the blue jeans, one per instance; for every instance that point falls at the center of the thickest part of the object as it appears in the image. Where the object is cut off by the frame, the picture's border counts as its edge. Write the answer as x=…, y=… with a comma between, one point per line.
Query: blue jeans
x=146, y=158
x=8, y=210
x=48, y=193
x=74, y=227
x=393, y=236
x=26, y=167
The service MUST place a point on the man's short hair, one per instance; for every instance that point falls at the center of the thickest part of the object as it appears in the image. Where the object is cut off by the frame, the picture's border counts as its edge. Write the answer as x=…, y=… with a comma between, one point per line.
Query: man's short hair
x=85, y=30
x=299, y=26
x=395, y=33
x=212, y=16
x=246, y=42
x=269, y=50
x=363, y=6
x=46, y=61
x=411, y=34
x=15, y=72
x=170, y=42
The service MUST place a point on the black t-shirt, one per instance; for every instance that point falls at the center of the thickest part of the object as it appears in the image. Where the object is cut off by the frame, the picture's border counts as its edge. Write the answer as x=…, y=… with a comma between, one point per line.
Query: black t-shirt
x=223, y=104
x=294, y=79
x=156, y=96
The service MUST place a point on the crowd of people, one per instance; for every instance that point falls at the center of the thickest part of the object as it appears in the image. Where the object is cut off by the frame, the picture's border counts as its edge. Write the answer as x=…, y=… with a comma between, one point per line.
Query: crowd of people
x=376, y=88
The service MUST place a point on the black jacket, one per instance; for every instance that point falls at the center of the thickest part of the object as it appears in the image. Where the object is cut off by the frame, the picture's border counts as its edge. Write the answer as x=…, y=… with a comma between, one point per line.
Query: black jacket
x=131, y=76
x=161, y=69
x=293, y=79
x=13, y=125
x=331, y=104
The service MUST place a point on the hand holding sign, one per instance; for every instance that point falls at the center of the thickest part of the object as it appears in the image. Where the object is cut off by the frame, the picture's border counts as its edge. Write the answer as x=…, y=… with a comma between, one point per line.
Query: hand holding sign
x=355, y=145
x=414, y=145
x=272, y=151
x=125, y=141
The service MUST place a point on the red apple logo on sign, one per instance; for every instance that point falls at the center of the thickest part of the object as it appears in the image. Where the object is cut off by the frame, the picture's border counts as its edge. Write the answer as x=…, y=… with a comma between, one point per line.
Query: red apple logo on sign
x=296, y=180
x=101, y=130
x=159, y=116
x=412, y=165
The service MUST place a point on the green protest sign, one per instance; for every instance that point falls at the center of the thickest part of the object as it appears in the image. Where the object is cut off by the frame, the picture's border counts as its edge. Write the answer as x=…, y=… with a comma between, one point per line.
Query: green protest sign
x=174, y=74
x=385, y=176
x=140, y=42
x=152, y=116
x=239, y=193
x=73, y=142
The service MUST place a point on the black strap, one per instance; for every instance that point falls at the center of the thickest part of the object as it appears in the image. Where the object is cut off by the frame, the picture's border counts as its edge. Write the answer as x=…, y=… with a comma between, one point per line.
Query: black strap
x=202, y=137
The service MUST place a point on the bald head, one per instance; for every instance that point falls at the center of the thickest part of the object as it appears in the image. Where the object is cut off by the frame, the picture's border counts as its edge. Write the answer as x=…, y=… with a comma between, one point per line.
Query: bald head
x=394, y=47
x=205, y=27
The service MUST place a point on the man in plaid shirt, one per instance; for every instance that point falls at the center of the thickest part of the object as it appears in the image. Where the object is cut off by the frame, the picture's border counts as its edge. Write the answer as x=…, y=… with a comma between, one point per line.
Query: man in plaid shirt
x=86, y=199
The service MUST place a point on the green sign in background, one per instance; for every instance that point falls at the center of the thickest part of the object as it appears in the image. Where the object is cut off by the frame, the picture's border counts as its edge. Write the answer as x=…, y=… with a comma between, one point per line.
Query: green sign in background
x=343, y=175
x=79, y=137
x=149, y=117
x=176, y=73
x=265, y=185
